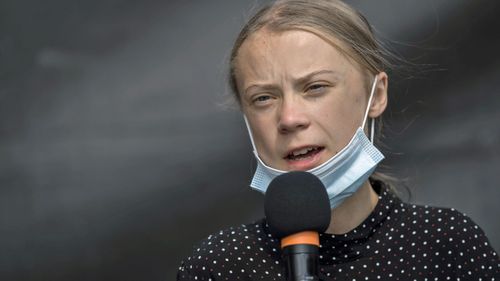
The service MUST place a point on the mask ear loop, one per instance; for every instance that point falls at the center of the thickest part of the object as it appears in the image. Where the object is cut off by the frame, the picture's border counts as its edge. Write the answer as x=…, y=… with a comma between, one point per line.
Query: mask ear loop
x=250, y=134
x=372, y=129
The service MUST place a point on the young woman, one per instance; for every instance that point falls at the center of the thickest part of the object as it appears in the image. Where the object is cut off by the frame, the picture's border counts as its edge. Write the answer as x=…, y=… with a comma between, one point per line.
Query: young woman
x=310, y=80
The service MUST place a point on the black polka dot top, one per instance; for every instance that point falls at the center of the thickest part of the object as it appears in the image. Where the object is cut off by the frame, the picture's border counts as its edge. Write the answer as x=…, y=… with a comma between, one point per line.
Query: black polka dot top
x=398, y=241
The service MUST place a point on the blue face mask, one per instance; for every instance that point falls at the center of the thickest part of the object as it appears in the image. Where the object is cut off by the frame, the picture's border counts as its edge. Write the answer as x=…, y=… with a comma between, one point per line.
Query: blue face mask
x=343, y=174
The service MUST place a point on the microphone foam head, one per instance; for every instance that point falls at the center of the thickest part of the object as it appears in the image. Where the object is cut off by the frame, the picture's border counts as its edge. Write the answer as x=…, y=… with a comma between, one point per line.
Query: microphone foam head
x=295, y=202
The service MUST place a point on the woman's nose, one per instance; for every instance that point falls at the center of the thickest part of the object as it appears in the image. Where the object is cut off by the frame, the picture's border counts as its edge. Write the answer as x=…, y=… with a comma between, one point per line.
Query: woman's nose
x=292, y=117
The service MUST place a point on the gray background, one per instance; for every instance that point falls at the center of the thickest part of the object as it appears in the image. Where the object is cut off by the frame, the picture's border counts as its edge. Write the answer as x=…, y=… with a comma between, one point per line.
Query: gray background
x=118, y=153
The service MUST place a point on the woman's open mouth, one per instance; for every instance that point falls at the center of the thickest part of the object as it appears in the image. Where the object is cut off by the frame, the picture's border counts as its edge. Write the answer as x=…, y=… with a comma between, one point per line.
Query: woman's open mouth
x=304, y=158
x=303, y=153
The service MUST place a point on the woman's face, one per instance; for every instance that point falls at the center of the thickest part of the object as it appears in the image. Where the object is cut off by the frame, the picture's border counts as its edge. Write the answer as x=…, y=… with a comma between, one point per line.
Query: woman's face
x=302, y=98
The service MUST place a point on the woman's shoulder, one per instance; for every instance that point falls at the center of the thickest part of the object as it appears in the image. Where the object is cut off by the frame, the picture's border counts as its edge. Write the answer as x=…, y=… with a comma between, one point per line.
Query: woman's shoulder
x=243, y=234
x=234, y=247
x=448, y=232
x=442, y=220
x=440, y=229
x=437, y=222
x=426, y=218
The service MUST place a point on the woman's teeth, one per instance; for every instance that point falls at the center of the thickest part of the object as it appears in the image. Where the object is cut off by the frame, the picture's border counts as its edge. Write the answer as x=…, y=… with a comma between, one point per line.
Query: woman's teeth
x=303, y=153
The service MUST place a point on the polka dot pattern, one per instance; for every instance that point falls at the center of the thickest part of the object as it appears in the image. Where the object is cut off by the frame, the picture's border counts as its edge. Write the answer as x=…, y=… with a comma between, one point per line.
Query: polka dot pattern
x=398, y=241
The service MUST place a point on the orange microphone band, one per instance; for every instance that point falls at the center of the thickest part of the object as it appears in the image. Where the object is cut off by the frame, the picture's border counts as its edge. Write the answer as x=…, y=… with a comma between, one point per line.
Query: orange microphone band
x=304, y=237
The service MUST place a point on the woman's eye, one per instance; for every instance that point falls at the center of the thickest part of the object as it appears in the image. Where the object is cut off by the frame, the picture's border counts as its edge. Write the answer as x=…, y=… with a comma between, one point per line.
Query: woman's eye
x=316, y=87
x=261, y=99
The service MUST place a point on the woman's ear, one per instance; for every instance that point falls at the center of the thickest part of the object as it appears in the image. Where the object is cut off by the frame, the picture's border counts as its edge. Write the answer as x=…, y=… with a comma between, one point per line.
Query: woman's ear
x=379, y=100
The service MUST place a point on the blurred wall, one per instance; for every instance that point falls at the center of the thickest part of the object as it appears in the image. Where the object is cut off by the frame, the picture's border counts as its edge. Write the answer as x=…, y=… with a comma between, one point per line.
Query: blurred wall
x=117, y=152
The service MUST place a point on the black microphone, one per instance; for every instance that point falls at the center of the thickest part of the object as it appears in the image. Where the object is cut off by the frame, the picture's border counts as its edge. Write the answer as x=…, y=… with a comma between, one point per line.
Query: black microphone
x=297, y=209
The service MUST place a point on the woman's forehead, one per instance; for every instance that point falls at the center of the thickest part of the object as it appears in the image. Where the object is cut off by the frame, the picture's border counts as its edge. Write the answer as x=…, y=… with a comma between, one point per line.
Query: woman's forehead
x=296, y=52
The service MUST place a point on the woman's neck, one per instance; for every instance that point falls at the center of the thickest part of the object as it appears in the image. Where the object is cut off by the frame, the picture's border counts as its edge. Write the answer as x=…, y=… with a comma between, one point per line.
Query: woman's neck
x=354, y=210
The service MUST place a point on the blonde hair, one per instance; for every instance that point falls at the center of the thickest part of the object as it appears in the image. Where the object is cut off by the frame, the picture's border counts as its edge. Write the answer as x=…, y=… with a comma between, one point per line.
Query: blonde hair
x=333, y=21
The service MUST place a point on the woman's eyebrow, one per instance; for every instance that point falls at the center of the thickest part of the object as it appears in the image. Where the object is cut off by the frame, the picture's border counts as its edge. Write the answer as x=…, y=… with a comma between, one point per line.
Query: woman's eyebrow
x=306, y=78
x=260, y=87
x=298, y=81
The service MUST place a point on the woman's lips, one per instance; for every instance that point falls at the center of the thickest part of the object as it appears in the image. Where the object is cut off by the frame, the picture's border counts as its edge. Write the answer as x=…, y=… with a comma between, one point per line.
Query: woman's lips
x=303, y=162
